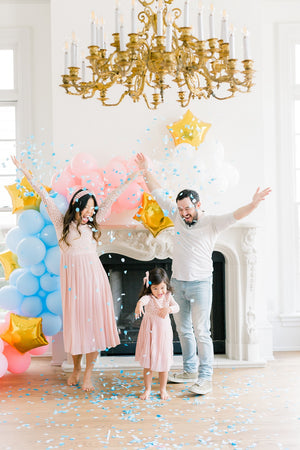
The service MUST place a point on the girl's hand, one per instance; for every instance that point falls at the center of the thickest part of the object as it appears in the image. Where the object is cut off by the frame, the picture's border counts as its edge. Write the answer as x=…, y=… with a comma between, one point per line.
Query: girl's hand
x=139, y=310
x=163, y=312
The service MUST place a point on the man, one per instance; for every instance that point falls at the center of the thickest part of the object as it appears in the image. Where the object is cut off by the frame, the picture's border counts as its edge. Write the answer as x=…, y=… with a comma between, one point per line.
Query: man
x=194, y=239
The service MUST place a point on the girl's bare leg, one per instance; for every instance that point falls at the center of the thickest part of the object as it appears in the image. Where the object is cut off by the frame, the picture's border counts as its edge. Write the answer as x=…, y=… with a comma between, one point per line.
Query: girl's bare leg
x=147, y=382
x=74, y=377
x=163, y=378
x=87, y=384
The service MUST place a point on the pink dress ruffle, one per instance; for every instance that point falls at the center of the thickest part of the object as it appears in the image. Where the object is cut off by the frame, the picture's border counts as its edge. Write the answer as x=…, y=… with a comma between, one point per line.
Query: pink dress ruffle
x=154, y=347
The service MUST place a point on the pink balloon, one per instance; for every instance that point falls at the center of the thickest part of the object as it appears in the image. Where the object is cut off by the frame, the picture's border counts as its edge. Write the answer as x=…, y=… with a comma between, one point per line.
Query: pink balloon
x=61, y=182
x=1, y=345
x=131, y=198
x=17, y=362
x=115, y=172
x=76, y=179
x=3, y=328
x=94, y=182
x=3, y=365
x=83, y=164
x=39, y=350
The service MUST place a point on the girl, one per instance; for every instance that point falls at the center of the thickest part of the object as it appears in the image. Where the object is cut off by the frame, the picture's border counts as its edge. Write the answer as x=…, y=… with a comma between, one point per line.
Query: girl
x=88, y=314
x=154, y=347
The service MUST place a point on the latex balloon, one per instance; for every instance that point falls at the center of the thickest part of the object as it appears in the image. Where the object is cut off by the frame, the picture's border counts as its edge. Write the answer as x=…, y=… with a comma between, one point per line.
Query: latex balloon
x=189, y=130
x=9, y=263
x=31, y=222
x=24, y=333
x=23, y=196
x=151, y=215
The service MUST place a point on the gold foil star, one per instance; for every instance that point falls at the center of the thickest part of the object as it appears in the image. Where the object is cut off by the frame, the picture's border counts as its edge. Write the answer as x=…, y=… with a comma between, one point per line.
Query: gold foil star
x=24, y=333
x=9, y=262
x=151, y=215
x=23, y=196
x=189, y=130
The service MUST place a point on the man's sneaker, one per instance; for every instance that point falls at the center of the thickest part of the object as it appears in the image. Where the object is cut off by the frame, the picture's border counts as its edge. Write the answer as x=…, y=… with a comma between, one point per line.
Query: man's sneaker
x=182, y=377
x=201, y=387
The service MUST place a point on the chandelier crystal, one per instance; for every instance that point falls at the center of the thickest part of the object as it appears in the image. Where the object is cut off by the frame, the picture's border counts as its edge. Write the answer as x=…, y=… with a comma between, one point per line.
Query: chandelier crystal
x=162, y=54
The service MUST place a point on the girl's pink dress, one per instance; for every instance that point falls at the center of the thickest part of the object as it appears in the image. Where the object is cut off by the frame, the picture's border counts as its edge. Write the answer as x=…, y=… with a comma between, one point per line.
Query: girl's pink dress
x=89, y=322
x=154, y=347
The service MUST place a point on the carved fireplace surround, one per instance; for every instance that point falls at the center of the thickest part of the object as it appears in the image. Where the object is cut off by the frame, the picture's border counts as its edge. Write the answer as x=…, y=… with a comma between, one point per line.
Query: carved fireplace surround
x=244, y=340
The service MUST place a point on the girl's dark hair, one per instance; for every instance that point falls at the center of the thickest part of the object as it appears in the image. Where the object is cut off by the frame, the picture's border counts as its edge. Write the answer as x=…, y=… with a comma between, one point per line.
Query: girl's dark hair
x=156, y=276
x=188, y=193
x=78, y=206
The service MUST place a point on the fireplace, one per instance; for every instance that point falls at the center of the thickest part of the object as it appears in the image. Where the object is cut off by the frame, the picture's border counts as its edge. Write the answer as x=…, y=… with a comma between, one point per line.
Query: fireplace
x=248, y=337
x=126, y=275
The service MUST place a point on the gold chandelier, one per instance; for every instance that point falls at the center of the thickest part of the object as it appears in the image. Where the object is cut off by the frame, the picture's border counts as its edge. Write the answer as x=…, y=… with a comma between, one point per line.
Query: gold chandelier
x=148, y=62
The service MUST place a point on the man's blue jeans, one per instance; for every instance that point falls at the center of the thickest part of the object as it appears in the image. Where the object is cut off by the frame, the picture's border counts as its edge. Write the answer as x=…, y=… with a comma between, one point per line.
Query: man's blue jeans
x=193, y=325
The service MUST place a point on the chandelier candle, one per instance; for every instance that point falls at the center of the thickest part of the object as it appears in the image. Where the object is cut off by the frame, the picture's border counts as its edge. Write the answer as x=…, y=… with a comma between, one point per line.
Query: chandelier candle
x=160, y=51
x=66, y=57
x=224, y=27
x=211, y=23
x=200, y=24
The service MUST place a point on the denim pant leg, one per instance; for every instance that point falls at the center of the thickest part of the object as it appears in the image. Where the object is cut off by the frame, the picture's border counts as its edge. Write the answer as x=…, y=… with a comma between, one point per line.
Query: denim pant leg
x=200, y=295
x=184, y=327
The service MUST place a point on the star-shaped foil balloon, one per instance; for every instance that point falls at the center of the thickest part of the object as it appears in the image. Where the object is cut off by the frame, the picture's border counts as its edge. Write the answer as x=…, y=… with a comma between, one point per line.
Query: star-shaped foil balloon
x=9, y=262
x=151, y=215
x=23, y=196
x=189, y=130
x=24, y=333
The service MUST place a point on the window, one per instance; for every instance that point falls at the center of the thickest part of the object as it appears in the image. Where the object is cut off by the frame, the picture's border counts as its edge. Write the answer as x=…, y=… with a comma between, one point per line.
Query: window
x=14, y=116
x=289, y=165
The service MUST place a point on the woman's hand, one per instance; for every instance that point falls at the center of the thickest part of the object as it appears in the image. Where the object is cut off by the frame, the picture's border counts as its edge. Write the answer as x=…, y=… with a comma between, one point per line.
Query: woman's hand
x=139, y=310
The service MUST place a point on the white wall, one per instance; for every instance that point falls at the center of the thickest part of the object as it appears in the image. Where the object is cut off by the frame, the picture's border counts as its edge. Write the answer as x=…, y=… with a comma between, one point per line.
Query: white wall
x=247, y=125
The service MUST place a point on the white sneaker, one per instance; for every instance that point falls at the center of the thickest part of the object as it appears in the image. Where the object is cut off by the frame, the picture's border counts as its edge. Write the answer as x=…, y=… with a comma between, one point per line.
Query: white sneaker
x=182, y=377
x=201, y=387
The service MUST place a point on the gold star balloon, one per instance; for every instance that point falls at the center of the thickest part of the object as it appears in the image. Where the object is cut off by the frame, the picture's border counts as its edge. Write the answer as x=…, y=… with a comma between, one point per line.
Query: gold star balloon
x=151, y=215
x=24, y=333
x=23, y=196
x=9, y=262
x=189, y=130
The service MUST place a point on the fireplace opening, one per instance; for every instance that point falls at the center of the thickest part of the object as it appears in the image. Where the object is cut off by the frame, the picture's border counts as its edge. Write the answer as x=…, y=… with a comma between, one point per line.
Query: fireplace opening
x=126, y=276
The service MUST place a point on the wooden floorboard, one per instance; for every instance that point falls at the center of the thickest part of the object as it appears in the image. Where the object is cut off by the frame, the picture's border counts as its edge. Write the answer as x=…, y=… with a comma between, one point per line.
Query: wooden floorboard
x=248, y=408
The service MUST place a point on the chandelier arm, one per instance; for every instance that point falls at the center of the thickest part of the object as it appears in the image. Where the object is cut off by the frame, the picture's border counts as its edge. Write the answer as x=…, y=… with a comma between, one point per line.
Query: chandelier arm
x=152, y=108
x=114, y=104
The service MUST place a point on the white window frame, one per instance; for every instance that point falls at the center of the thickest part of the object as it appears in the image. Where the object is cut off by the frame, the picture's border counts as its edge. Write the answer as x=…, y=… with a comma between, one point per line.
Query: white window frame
x=288, y=36
x=18, y=39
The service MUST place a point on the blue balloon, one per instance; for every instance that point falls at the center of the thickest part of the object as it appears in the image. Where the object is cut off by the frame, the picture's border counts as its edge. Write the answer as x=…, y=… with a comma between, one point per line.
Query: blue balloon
x=28, y=284
x=31, y=306
x=10, y=298
x=51, y=323
x=48, y=235
x=15, y=275
x=30, y=251
x=61, y=203
x=52, y=260
x=31, y=221
x=49, y=282
x=38, y=269
x=42, y=294
x=13, y=237
x=53, y=302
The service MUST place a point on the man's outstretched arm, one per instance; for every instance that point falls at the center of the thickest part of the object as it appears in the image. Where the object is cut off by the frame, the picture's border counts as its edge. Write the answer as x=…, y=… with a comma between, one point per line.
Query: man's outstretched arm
x=258, y=197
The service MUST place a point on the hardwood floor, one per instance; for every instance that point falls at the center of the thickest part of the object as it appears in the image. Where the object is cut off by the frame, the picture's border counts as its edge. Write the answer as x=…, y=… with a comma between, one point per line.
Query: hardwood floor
x=248, y=408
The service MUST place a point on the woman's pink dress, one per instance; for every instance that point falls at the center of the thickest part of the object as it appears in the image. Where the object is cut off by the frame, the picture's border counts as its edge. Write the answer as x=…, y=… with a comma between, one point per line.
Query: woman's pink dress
x=89, y=322
x=154, y=347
